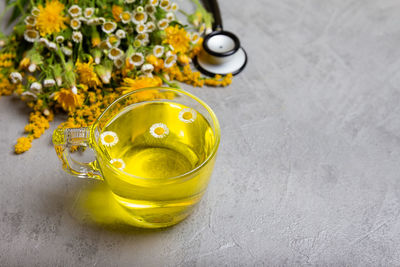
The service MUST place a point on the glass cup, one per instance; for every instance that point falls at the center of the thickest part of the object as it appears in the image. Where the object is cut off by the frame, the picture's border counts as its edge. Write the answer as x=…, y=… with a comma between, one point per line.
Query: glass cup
x=151, y=201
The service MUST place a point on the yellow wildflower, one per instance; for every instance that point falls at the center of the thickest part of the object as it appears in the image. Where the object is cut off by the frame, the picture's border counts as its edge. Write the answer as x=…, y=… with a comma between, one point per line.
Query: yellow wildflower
x=178, y=38
x=50, y=19
x=23, y=144
x=116, y=11
x=24, y=63
x=138, y=83
x=68, y=100
x=86, y=73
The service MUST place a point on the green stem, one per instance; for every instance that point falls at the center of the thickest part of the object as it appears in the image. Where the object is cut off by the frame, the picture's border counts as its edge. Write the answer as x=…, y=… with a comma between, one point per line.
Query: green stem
x=174, y=85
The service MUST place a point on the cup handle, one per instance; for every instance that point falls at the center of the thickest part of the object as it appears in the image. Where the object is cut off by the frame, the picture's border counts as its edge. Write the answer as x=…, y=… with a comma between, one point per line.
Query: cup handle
x=63, y=140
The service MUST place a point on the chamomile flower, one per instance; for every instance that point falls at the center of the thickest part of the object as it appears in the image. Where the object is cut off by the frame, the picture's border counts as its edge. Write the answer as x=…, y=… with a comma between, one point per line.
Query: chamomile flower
x=115, y=53
x=36, y=87
x=149, y=9
x=147, y=69
x=30, y=21
x=164, y=4
x=49, y=83
x=101, y=20
x=119, y=62
x=112, y=41
x=94, y=22
x=60, y=39
x=174, y=7
x=109, y=138
x=67, y=51
x=15, y=77
x=74, y=90
x=43, y=41
x=31, y=35
x=77, y=37
x=139, y=17
x=75, y=24
x=29, y=96
x=109, y=27
x=35, y=11
x=125, y=17
x=75, y=11
x=170, y=59
x=153, y=2
x=141, y=28
x=150, y=26
x=143, y=38
x=170, y=16
x=158, y=50
x=121, y=34
x=32, y=67
x=159, y=130
x=118, y=163
x=162, y=24
x=51, y=46
x=88, y=12
x=129, y=1
x=137, y=59
x=187, y=115
x=137, y=44
x=194, y=37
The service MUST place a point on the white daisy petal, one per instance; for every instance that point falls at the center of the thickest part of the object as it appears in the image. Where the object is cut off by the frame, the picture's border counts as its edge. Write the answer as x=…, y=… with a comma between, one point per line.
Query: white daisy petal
x=150, y=26
x=158, y=50
x=115, y=53
x=187, y=115
x=35, y=11
x=170, y=59
x=109, y=138
x=49, y=83
x=109, y=26
x=164, y=4
x=139, y=17
x=30, y=21
x=88, y=12
x=141, y=28
x=16, y=77
x=118, y=163
x=162, y=24
x=75, y=24
x=121, y=34
x=137, y=59
x=36, y=87
x=125, y=17
x=170, y=16
x=159, y=130
x=75, y=11
x=31, y=35
x=60, y=39
x=147, y=68
x=77, y=37
x=153, y=2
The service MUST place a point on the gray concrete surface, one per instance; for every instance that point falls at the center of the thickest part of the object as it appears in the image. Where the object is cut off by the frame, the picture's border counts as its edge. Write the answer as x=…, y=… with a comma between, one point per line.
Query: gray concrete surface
x=308, y=171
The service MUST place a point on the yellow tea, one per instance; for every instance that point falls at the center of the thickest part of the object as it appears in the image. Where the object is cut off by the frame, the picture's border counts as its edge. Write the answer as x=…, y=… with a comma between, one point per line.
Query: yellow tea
x=156, y=146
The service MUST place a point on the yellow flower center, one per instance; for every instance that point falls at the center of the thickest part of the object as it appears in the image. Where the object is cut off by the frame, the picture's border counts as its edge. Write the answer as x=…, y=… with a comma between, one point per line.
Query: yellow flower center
x=153, y=2
x=169, y=60
x=31, y=20
x=74, y=10
x=136, y=58
x=164, y=3
x=139, y=16
x=159, y=130
x=141, y=28
x=163, y=24
x=126, y=16
x=75, y=23
x=89, y=12
x=158, y=50
x=113, y=40
x=108, y=26
x=32, y=34
x=187, y=115
x=117, y=164
x=115, y=52
x=109, y=138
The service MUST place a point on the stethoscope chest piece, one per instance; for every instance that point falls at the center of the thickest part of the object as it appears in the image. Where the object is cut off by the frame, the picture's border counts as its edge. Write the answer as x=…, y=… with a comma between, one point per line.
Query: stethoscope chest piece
x=221, y=54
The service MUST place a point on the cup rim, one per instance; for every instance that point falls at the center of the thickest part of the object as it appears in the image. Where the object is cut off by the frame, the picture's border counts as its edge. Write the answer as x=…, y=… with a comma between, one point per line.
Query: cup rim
x=217, y=133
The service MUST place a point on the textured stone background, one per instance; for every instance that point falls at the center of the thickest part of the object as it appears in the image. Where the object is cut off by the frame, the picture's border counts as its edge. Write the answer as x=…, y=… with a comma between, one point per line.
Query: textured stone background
x=308, y=168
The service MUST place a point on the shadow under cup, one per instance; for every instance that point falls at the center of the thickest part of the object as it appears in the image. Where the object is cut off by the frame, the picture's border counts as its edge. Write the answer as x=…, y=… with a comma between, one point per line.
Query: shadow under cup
x=152, y=186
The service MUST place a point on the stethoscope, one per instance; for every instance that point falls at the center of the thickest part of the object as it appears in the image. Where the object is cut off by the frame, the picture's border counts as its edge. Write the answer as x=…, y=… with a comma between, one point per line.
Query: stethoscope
x=221, y=53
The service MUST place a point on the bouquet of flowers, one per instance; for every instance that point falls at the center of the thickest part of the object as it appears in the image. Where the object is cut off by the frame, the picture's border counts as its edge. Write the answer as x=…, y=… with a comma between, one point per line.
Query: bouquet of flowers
x=79, y=56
